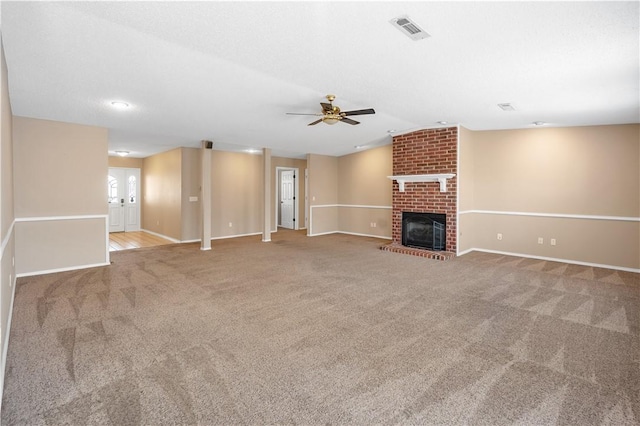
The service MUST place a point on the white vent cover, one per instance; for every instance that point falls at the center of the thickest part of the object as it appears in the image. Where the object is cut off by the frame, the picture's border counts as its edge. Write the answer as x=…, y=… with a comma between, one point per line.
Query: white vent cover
x=409, y=28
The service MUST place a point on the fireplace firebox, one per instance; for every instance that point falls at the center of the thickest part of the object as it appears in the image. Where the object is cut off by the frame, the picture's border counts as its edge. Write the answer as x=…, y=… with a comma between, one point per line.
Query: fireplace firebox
x=424, y=230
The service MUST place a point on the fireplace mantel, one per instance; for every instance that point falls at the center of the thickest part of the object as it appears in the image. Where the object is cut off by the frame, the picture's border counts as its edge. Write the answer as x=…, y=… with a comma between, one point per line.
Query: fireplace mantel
x=442, y=178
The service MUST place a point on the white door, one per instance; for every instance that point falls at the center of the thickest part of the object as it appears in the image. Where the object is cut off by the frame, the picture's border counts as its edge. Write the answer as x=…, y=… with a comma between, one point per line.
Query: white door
x=115, y=188
x=287, y=199
x=124, y=199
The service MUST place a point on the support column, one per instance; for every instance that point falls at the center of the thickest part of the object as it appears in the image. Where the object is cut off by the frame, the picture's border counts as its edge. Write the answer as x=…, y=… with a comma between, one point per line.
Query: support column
x=266, y=226
x=205, y=196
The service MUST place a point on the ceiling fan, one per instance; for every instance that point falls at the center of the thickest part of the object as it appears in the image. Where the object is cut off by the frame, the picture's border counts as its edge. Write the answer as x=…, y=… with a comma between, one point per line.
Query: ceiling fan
x=331, y=114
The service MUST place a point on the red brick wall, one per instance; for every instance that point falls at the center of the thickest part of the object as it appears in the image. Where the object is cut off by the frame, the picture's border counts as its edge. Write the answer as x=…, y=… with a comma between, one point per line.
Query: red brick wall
x=426, y=152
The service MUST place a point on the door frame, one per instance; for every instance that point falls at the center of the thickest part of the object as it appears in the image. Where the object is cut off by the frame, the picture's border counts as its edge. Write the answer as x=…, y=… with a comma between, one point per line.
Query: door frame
x=296, y=180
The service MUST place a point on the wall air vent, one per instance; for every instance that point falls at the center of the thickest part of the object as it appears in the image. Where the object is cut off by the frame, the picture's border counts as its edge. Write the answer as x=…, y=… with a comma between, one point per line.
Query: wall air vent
x=409, y=28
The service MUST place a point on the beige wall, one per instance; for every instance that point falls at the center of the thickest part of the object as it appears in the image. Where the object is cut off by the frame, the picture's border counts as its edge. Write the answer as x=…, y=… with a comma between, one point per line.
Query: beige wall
x=126, y=162
x=362, y=181
x=191, y=211
x=60, y=170
x=7, y=231
x=583, y=171
x=293, y=163
x=323, y=190
x=236, y=194
x=161, y=200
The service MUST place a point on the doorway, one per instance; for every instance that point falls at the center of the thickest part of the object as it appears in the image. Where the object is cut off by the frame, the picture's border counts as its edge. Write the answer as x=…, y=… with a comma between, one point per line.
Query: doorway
x=286, y=197
x=123, y=194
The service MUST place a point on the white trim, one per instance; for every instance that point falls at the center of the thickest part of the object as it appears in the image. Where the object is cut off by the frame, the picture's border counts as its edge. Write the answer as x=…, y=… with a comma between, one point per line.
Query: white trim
x=173, y=240
x=191, y=241
x=323, y=233
x=6, y=239
x=235, y=236
x=266, y=241
x=69, y=268
x=3, y=361
x=364, y=235
x=556, y=215
x=554, y=259
x=205, y=248
x=52, y=218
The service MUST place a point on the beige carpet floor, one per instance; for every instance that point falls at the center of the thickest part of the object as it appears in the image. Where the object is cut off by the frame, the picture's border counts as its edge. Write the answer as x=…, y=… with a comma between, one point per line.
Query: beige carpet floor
x=323, y=330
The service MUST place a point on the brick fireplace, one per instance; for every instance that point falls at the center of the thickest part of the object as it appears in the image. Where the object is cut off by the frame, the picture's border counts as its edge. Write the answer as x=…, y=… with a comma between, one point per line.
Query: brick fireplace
x=430, y=153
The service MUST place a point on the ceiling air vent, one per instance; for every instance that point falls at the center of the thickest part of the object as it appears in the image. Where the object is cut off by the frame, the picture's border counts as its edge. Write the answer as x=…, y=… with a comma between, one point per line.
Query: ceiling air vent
x=409, y=28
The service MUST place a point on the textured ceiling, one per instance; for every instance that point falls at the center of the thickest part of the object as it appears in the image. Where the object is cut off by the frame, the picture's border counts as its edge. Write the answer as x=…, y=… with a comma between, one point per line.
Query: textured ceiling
x=229, y=71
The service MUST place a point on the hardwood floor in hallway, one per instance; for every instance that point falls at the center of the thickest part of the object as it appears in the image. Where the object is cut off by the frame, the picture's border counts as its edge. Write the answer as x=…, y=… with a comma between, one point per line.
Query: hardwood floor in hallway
x=130, y=240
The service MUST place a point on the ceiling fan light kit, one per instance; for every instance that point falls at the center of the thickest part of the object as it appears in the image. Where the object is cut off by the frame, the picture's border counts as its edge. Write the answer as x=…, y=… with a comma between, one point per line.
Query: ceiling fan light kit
x=331, y=114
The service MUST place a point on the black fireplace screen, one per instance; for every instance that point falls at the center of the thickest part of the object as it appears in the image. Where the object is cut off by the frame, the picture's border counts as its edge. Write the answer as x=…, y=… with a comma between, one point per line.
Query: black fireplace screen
x=424, y=230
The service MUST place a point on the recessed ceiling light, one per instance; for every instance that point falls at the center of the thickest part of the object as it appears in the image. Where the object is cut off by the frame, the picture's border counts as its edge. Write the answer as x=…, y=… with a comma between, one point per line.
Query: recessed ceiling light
x=506, y=107
x=442, y=122
x=539, y=123
x=252, y=151
x=359, y=146
x=391, y=131
x=119, y=104
x=122, y=153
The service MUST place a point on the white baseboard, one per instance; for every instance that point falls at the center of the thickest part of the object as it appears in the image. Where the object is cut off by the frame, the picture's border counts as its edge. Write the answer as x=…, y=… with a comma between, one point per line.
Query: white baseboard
x=553, y=259
x=235, y=236
x=69, y=268
x=348, y=233
x=162, y=236
x=364, y=235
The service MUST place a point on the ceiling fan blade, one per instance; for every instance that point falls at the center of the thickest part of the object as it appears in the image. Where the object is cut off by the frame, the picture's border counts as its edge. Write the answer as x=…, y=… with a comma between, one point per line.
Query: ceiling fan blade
x=302, y=113
x=358, y=112
x=315, y=122
x=326, y=107
x=349, y=121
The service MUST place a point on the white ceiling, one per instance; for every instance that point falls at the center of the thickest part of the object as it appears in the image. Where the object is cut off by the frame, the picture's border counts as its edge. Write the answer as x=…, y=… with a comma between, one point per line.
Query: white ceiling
x=229, y=71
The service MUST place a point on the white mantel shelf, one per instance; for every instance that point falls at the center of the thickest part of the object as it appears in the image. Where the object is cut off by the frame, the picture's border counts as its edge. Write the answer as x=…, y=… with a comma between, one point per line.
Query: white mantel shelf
x=442, y=178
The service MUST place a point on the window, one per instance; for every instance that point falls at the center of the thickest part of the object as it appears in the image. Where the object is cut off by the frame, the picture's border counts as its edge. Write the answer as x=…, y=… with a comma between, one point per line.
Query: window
x=132, y=189
x=112, y=189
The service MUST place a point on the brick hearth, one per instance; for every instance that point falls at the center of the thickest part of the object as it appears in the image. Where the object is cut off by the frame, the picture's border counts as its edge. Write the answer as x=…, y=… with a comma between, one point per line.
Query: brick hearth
x=431, y=151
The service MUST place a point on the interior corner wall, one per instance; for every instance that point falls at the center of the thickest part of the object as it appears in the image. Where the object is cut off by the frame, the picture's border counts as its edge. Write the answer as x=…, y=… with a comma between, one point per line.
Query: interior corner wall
x=162, y=194
x=60, y=170
x=7, y=227
x=191, y=194
x=578, y=185
x=294, y=163
x=465, y=173
x=365, y=192
x=236, y=194
x=323, y=194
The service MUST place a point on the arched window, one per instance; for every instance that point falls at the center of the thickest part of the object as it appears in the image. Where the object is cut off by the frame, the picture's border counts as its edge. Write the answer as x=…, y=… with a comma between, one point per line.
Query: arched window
x=112, y=189
x=132, y=189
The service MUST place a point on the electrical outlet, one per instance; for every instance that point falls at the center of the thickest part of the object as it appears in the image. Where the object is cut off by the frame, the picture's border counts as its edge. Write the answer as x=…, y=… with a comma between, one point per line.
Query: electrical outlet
x=500, y=237
x=540, y=240
x=230, y=224
x=553, y=241
x=158, y=222
x=375, y=225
